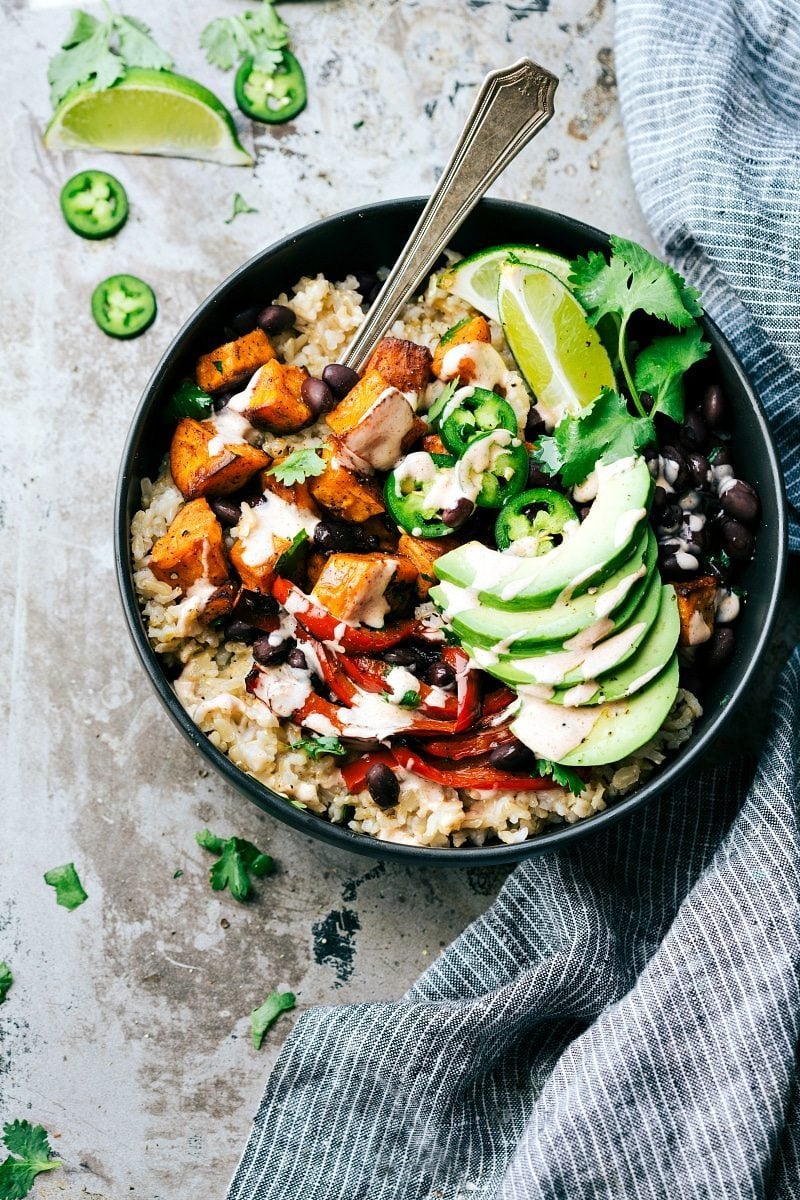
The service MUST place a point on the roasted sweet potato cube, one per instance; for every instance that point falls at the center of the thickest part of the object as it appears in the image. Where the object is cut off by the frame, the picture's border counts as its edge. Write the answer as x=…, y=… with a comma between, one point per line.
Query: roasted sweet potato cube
x=433, y=444
x=234, y=362
x=422, y=553
x=221, y=602
x=298, y=494
x=472, y=329
x=382, y=433
x=353, y=587
x=403, y=364
x=276, y=401
x=257, y=576
x=696, y=609
x=357, y=402
x=198, y=473
x=343, y=492
x=315, y=565
x=191, y=549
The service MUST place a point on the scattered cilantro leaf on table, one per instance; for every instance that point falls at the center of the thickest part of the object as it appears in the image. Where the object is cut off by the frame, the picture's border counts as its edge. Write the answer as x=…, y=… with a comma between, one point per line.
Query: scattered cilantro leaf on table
x=261, y=1019
x=68, y=887
x=6, y=980
x=99, y=51
x=238, y=860
x=319, y=744
x=563, y=776
x=240, y=205
x=298, y=467
x=261, y=34
x=29, y=1155
x=661, y=366
x=606, y=431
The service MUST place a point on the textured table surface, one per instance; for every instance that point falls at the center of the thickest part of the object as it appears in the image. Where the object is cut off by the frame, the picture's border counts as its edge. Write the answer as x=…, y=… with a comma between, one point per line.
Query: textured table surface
x=126, y=1032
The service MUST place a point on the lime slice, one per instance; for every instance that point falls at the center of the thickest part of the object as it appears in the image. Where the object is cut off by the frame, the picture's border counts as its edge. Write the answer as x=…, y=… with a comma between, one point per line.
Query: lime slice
x=475, y=279
x=148, y=112
x=556, y=349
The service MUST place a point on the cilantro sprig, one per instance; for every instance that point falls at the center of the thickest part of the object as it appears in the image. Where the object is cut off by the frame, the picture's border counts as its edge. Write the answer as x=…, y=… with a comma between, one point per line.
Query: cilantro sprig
x=29, y=1156
x=298, y=467
x=607, y=431
x=99, y=52
x=319, y=744
x=661, y=366
x=240, y=206
x=563, y=776
x=68, y=887
x=263, y=1018
x=261, y=34
x=238, y=860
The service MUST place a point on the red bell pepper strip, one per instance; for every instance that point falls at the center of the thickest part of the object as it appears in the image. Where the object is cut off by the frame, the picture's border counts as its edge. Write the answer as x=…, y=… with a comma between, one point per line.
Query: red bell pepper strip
x=324, y=626
x=468, y=689
x=342, y=688
x=370, y=674
x=481, y=776
x=497, y=700
x=355, y=773
x=472, y=744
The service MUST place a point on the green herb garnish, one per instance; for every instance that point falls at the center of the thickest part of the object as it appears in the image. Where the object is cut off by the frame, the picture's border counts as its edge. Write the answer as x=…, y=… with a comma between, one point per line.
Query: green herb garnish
x=563, y=776
x=409, y=699
x=298, y=467
x=661, y=366
x=318, y=745
x=238, y=860
x=218, y=365
x=260, y=33
x=99, y=51
x=606, y=431
x=6, y=980
x=69, y=890
x=240, y=205
x=29, y=1156
x=290, y=558
x=261, y=1019
x=189, y=400
x=439, y=404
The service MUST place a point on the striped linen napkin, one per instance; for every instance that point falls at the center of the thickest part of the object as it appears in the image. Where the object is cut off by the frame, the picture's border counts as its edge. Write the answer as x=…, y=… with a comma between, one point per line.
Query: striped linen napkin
x=623, y=1022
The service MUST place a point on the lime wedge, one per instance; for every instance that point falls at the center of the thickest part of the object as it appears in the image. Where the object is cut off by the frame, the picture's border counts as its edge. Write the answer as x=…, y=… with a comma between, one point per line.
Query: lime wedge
x=475, y=279
x=556, y=349
x=148, y=112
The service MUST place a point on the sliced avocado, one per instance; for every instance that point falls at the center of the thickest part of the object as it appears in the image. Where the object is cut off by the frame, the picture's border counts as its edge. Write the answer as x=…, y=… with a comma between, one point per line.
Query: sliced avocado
x=608, y=732
x=522, y=633
x=565, y=667
x=584, y=558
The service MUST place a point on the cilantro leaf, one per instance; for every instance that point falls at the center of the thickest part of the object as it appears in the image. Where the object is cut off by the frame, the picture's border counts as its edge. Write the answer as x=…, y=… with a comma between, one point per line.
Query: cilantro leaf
x=568, y=779
x=298, y=467
x=660, y=368
x=437, y=408
x=6, y=980
x=261, y=1019
x=69, y=890
x=319, y=744
x=221, y=44
x=409, y=699
x=239, y=859
x=99, y=51
x=240, y=205
x=260, y=34
x=83, y=26
x=136, y=45
x=293, y=555
x=606, y=431
x=29, y=1156
x=189, y=400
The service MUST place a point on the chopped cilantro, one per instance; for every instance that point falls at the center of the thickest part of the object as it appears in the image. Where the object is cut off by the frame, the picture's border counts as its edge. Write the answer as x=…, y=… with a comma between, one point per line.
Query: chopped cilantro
x=661, y=366
x=69, y=890
x=606, y=431
x=438, y=406
x=29, y=1155
x=238, y=860
x=261, y=1019
x=319, y=744
x=409, y=699
x=98, y=52
x=6, y=980
x=189, y=400
x=218, y=365
x=177, y=874
x=298, y=467
x=358, y=124
x=563, y=776
x=240, y=205
x=260, y=33
x=291, y=556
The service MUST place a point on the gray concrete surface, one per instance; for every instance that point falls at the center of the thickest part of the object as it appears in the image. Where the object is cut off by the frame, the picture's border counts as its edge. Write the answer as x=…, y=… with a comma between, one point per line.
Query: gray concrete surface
x=126, y=1032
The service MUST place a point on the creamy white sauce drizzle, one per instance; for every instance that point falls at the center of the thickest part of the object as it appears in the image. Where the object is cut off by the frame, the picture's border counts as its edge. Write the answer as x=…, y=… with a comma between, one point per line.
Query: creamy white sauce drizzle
x=728, y=606
x=610, y=600
x=261, y=523
x=580, y=694
x=283, y=689
x=400, y=681
x=377, y=439
x=373, y=719
x=551, y=730
x=626, y=525
x=589, y=637
x=486, y=369
x=586, y=491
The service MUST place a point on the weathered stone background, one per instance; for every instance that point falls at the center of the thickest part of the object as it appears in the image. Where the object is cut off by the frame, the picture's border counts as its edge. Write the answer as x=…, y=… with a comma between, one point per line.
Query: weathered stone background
x=126, y=1032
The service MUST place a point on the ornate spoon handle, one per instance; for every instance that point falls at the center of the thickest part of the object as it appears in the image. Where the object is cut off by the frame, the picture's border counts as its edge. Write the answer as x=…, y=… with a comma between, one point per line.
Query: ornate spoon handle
x=512, y=105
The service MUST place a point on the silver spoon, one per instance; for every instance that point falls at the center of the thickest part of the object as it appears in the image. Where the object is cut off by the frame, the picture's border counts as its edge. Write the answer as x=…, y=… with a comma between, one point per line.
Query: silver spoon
x=513, y=104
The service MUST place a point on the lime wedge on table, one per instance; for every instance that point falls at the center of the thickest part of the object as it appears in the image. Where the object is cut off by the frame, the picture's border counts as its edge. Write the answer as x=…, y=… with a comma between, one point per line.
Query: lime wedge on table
x=556, y=349
x=148, y=112
x=475, y=279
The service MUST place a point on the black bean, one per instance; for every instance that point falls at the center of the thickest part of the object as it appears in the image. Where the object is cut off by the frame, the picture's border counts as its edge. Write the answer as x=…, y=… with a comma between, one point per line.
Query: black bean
x=513, y=756
x=737, y=540
x=534, y=425
x=659, y=497
x=698, y=468
x=335, y=536
x=271, y=654
x=459, y=513
x=719, y=649
x=275, y=318
x=246, y=320
x=402, y=656
x=720, y=455
x=538, y=479
x=740, y=501
x=440, y=674
x=647, y=401
x=339, y=379
x=296, y=658
x=221, y=400
x=317, y=395
x=694, y=430
x=250, y=603
x=382, y=785
x=671, y=568
x=366, y=281
x=240, y=631
x=226, y=511
x=714, y=407
x=366, y=542
x=676, y=479
x=671, y=519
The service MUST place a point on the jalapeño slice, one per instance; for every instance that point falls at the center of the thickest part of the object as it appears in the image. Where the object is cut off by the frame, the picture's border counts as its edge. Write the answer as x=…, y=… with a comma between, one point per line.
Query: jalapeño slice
x=94, y=204
x=271, y=97
x=410, y=498
x=478, y=411
x=493, y=468
x=539, y=514
x=123, y=306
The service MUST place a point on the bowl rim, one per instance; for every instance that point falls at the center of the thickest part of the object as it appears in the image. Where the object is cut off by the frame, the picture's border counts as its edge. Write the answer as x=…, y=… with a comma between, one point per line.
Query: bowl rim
x=315, y=826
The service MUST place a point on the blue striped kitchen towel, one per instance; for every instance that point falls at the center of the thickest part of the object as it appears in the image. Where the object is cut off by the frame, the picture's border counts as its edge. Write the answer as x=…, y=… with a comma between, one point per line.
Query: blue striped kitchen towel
x=623, y=1022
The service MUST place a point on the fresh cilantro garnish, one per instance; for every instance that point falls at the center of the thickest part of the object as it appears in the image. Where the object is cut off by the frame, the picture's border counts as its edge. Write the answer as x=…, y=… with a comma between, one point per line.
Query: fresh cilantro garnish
x=290, y=557
x=606, y=431
x=240, y=205
x=632, y=280
x=69, y=890
x=98, y=51
x=563, y=776
x=298, y=467
x=439, y=404
x=29, y=1155
x=661, y=366
x=177, y=874
x=189, y=400
x=319, y=744
x=261, y=1019
x=260, y=33
x=6, y=980
x=409, y=699
x=238, y=860
x=451, y=638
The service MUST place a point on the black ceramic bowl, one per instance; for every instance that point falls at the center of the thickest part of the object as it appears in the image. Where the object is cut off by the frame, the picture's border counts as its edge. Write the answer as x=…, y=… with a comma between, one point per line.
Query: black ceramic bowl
x=365, y=239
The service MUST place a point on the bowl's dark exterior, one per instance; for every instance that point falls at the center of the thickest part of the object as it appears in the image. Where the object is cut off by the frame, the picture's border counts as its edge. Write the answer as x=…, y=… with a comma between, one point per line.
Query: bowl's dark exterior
x=365, y=239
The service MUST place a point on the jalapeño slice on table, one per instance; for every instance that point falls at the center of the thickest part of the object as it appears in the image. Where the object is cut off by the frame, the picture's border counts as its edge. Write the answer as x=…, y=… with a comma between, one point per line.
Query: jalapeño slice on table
x=471, y=412
x=94, y=204
x=123, y=306
x=271, y=97
x=539, y=514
